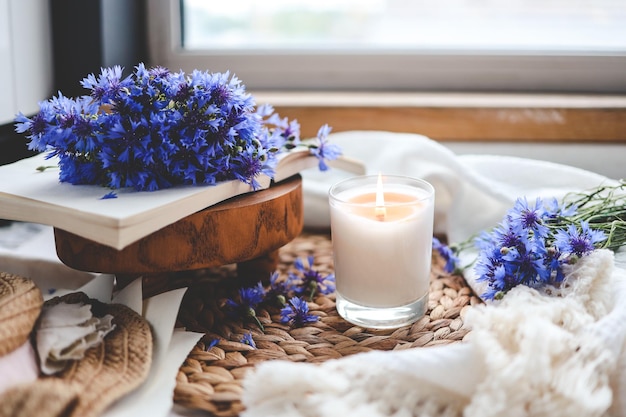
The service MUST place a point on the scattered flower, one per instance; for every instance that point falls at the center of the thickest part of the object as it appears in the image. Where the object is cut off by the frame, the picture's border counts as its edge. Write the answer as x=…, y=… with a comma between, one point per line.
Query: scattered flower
x=309, y=281
x=212, y=343
x=248, y=340
x=447, y=254
x=296, y=313
x=249, y=299
x=277, y=290
x=107, y=196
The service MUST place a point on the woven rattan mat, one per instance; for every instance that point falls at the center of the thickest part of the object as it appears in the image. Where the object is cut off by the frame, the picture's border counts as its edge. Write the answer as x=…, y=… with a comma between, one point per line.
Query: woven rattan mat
x=211, y=377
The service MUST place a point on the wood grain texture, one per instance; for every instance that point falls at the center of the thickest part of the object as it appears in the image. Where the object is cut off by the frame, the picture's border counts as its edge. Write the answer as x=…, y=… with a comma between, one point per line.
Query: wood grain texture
x=237, y=230
x=461, y=117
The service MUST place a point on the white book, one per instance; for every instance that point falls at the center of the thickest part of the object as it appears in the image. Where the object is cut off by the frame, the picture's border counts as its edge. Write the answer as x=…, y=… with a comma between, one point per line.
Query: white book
x=30, y=195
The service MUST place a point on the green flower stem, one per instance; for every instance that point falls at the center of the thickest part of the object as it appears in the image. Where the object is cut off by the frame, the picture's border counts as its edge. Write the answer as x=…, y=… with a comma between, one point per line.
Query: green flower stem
x=42, y=168
x=252, y=313
x=604, y=208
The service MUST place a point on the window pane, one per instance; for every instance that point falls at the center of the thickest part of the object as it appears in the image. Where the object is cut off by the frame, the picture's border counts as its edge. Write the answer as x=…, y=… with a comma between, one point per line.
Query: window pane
x=405, y=25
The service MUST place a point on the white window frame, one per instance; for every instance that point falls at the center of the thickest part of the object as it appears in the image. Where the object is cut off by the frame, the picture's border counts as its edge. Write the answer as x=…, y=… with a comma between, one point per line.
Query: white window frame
x=579, y=72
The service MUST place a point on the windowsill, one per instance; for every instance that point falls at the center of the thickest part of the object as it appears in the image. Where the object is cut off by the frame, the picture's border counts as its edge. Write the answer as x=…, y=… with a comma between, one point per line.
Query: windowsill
x=492, y=117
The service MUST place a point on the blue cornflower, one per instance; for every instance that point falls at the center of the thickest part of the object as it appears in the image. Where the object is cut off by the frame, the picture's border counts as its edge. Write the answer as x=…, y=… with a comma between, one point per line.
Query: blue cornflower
x=528, y=217
x=248, y=340
x=247, y=165
x=554, y=263
x=265, y=110
x=578, y=241
x=554, y=210
x=249, y=299
x=107, y=196
x=490, y=269
x=107, y=87
x=504, y=268
x=526, y=262
x=447, y=254
x=212, y=343
x=76, y=171
x=514, y=252
x=296, y=313
x=506, y=235
x=323, y=150
x=289, y=131
x=309, y=281
x=278, y=289
x=25, y=124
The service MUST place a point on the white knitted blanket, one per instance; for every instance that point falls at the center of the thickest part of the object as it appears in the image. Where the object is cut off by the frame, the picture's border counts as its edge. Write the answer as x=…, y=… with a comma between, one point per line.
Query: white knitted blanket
x=533, y=354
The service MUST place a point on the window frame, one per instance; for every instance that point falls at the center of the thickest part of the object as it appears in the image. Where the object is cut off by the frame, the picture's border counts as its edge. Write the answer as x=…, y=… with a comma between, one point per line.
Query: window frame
x=582, y=72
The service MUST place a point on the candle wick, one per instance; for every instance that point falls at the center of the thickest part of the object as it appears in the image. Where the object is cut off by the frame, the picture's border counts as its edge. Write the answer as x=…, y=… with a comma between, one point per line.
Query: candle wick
x=380, y=213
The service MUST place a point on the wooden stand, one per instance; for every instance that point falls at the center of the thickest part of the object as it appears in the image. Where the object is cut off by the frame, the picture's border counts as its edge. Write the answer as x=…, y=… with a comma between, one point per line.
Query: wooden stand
x=247, y=230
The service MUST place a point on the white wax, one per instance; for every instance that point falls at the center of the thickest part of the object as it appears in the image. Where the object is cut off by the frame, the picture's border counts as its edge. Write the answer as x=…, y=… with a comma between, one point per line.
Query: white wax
x=382, y=263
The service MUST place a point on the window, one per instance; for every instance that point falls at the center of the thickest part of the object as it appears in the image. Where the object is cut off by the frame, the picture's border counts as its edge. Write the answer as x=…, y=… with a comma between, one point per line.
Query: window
x=447, y=45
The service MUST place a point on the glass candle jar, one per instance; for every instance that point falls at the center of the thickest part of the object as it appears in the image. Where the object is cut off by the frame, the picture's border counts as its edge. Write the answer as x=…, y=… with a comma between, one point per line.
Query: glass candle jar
x=382, y=229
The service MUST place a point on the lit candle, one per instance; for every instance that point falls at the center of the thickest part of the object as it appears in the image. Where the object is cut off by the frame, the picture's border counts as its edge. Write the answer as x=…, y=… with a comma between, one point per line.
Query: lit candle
x=382, y=231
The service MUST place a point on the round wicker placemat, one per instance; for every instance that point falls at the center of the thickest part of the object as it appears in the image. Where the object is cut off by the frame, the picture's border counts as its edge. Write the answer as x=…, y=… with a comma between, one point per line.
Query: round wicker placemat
x=211, y=377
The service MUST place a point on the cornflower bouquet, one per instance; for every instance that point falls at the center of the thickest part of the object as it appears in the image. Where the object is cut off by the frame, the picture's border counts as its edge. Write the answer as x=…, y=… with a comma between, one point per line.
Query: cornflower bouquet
x=535, y=241
x=157, y=129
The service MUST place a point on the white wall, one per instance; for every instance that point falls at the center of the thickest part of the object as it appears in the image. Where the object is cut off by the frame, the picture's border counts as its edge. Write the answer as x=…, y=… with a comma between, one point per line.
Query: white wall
x=25, y=57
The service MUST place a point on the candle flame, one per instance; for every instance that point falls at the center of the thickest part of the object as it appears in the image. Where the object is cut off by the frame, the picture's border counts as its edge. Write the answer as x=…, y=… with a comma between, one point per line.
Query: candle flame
x=380, y=211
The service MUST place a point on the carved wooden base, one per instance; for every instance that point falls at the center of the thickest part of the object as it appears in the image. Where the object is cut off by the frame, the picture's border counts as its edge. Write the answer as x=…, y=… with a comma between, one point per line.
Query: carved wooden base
x=247, y=230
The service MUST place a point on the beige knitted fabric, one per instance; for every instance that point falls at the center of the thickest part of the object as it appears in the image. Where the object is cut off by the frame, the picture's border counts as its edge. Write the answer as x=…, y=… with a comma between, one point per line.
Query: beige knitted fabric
x=20, y=305
x=49, y=397
x=106, y=372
